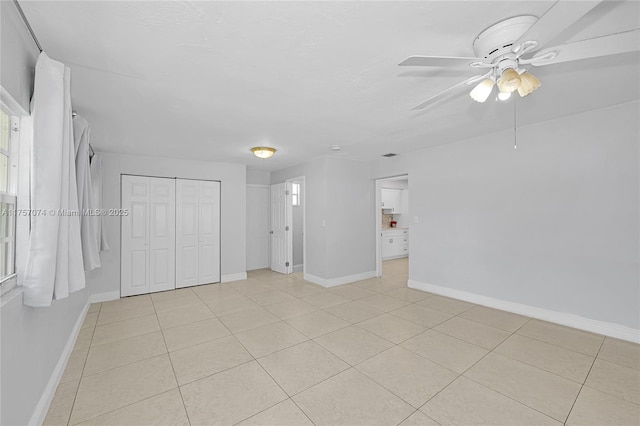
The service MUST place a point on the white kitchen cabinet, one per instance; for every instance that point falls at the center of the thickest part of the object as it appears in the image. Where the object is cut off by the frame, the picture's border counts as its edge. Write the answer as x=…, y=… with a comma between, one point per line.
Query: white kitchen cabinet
x=391, y=200
x=395, y=243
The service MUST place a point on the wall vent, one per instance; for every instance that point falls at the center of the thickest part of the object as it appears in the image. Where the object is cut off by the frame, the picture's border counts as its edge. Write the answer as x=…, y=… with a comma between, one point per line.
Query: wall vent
x=391, y=154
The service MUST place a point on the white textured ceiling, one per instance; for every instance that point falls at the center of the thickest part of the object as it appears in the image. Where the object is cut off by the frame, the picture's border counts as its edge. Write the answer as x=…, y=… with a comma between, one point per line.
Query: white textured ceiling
x=208, y=80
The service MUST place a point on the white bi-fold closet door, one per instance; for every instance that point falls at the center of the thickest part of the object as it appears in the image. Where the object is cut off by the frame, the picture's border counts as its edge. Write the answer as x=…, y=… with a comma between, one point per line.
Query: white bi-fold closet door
x=171, y=237
x=148, y=235
x=197, y=232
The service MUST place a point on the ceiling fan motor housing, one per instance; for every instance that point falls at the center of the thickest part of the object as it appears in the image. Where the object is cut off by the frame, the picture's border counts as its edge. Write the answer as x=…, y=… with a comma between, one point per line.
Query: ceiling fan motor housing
x=497, y=40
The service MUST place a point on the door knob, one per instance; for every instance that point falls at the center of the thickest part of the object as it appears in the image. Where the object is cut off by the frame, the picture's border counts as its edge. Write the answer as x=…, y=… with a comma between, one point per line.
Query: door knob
x=271, y=232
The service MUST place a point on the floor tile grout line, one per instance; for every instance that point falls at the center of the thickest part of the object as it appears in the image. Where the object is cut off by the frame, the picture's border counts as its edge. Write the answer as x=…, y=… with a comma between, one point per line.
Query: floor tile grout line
x=398, y=344
x=557, y=345
x=566, y=419
x=290, y=397
x=351, y=366
x=612, y=395
x=538, y=367
x=267, y=373
x=509, y=397
x=617, y=363
x=414, y=411
x=175, y=376
x=497, y=391
x=83, y=376
x=516, y=331
x=391, y=391
x=125, y=406
x=483, y=385
x=161, y=329
x=75, y=396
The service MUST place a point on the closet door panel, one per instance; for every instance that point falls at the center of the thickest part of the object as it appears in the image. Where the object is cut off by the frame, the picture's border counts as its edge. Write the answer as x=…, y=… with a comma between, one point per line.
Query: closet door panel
x=134, y=276
x=162, y=243
x=186, y=233
x=209, y=232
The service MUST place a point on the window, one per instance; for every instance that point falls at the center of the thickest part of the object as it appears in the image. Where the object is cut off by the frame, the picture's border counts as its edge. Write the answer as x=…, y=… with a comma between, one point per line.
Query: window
x=295, y=194
x=8, y=190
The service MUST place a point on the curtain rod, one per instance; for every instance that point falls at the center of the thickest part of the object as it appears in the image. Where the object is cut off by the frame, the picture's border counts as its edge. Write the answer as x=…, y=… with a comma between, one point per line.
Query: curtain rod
x=35, y=40
x=24, y=18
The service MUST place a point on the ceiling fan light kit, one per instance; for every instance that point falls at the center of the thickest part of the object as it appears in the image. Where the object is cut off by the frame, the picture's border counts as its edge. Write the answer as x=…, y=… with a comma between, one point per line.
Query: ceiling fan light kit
x=263, y=151
x=528, y=84
x=503, y=96
x=481, y=92
x=509, y=81
x=507, y=46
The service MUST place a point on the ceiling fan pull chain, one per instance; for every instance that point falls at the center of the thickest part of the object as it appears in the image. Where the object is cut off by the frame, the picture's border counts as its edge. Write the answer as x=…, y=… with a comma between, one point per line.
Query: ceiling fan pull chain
x=515, y=128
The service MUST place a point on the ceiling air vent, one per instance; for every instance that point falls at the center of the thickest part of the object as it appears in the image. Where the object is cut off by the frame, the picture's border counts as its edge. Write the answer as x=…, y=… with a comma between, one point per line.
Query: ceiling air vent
x=391, y=154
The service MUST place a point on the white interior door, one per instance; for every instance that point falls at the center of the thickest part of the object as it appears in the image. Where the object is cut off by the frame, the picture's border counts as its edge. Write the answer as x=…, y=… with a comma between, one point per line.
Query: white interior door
x=148, y=235
x=197, y=232
x=281, y=234
x=162, y=235
x=186, y=233
x=209, y=232
x=134, y=270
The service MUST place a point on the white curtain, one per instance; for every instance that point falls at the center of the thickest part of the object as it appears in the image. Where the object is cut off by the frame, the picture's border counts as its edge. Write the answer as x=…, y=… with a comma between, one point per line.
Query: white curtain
x=96, y=182
x=54, y=261
x=89, y=222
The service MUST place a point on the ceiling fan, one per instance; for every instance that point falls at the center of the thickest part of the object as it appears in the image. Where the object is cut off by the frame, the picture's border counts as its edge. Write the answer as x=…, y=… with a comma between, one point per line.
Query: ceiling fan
x=505, y=50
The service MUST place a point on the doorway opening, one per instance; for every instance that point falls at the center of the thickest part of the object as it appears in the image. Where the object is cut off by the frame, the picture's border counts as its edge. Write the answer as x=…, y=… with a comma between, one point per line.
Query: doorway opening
x=297, y=224
x=392, y=212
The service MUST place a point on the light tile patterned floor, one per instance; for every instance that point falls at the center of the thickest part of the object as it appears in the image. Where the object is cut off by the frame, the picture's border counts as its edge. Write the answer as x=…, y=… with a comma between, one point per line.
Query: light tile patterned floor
x=277, y=350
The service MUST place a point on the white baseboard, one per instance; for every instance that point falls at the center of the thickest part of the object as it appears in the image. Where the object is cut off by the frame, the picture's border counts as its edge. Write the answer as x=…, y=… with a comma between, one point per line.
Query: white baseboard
x=570, y=320
x=395, y=257
x=234, y=277
x=298, y=268
x=332, y=282
x=104, y=297
x=40, y=412
x=255, y=268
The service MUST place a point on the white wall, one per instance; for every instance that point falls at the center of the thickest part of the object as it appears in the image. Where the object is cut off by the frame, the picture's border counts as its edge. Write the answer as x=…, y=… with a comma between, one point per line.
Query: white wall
x=106, y=280
x=396, y=184
x=258, y=226
x=258, y=219
x=258, y=177
x=19, y=55
x=351, y=218
x=340, y=194
x=316, y=210
x=33, y=339
x=553, y=224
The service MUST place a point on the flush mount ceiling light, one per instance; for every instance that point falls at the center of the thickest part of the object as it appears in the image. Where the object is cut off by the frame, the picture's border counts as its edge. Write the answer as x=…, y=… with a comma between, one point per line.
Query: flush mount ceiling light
x=507, y=48
x=263, y=151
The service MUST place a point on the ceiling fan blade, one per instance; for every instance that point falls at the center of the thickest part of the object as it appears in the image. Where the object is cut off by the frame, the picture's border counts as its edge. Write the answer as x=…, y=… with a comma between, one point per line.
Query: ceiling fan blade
x=628, y=41
x=434, y=98
x=561, y=15
x=438, y=61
